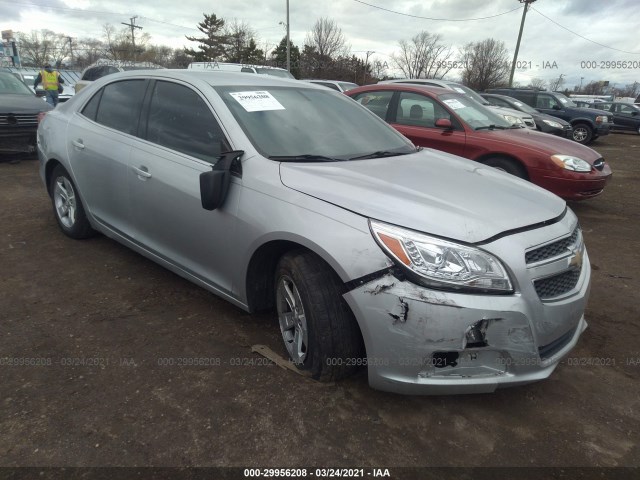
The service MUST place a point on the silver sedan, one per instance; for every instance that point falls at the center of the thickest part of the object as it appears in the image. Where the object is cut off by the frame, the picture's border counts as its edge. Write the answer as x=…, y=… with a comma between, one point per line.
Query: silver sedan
x=437, y=274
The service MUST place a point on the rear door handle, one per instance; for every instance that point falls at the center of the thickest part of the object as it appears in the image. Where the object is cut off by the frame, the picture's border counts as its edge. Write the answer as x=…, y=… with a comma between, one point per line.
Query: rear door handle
x=78, y=144
x=142, y=172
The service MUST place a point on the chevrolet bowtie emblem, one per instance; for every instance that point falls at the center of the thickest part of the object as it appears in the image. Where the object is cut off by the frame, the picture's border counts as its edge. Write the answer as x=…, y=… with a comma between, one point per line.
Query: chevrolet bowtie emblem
x=576, y=260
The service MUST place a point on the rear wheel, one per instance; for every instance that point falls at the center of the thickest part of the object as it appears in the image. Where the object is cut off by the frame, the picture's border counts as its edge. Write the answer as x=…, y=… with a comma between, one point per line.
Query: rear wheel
x=319, y=331
x=582, y=133
x=507, y=165
x=67, y=206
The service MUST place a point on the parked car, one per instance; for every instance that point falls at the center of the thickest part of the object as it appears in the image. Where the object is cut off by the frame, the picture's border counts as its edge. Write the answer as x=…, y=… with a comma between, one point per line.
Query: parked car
x=337, y=85
x=511, y=115
x=439, y=274
x=626, y=116
x=588, y=123
x=20, y=113
x=544, y=123
x=241, y=67
x=108, y=67
x=450, y=121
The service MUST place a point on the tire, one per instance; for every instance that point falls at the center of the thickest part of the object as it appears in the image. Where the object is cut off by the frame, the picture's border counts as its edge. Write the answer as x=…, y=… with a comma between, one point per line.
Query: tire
x=582, y=133
x=319, y=331
x=67, y=206
x=507, y=165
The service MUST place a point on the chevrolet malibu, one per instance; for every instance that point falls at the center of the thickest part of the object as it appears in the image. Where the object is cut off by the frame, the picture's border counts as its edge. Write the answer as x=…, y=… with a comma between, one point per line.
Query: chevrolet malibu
x=438, y=274
x=450, y=121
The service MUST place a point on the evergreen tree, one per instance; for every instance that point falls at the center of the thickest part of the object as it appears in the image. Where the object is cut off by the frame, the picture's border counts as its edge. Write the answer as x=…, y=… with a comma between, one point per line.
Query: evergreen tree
x=212, y=46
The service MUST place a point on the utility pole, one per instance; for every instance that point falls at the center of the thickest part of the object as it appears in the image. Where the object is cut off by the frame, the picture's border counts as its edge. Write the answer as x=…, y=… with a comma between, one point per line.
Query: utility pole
x=288, y=41
x=133, y=35
x=71, y=49
x=515, y=55
x=366, y=66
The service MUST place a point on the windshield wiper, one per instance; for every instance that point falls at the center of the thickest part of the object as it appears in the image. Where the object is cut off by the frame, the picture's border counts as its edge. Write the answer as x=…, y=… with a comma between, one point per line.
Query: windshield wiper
x=492, y=127
x=303, y=158
x=380, y=154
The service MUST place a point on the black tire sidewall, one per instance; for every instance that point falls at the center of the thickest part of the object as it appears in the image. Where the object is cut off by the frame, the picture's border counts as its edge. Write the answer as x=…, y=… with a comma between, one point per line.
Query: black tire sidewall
x=589, y=131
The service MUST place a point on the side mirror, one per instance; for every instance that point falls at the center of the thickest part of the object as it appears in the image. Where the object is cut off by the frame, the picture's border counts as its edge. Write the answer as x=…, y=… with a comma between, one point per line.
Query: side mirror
x=214, y=185
x=635, y=112
x=556, y=107
x=444, y=123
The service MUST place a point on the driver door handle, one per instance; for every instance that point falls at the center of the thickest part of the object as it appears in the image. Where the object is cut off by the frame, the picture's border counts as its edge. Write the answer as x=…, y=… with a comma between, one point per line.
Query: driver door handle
x=78, y=144
x=142, y=172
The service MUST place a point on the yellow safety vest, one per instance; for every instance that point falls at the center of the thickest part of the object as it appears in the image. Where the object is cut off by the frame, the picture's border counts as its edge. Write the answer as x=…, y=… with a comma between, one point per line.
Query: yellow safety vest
x=49, y=80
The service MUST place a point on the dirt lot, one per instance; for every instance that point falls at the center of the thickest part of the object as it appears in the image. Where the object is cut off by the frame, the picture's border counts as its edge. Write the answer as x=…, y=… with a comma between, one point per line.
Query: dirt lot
x=109, y=328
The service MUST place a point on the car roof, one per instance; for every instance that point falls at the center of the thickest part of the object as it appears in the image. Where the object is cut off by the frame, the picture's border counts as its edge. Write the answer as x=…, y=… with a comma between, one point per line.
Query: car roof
x=217, y=78
x=436, y=91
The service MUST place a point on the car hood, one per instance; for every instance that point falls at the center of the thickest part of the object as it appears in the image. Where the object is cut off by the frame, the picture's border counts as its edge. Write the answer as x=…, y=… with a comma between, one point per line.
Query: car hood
x=541, y=143
x=544, y=116
x=428, y=191
x=510, y=111
x=22, y=104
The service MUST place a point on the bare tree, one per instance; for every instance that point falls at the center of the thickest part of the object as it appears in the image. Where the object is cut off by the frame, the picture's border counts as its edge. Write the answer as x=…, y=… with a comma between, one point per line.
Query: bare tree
x=594, y=88
x=556, y=84
x=423, y=57
x=538, y=83
x=42, y=46
x=327, y=39
x=485, y=64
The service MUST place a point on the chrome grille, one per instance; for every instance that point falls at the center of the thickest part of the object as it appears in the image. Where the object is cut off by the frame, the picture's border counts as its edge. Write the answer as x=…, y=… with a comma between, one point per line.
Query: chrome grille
x=19, y=119
x=557, y=285
x=554, y=249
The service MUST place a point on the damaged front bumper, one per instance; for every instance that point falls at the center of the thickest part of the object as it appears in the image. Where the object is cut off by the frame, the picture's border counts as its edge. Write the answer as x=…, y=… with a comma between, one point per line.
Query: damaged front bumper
x=424, y=341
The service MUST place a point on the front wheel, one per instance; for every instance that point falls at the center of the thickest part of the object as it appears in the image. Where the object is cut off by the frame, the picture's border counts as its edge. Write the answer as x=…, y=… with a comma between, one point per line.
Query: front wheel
x=67, y=206
x=507, y=165
x=319, y=331
x=582, y=133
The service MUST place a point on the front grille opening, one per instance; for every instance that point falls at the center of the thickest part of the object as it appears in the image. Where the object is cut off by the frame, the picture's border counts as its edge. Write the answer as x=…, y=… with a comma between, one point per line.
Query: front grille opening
x=551, y=287
x=554, y=249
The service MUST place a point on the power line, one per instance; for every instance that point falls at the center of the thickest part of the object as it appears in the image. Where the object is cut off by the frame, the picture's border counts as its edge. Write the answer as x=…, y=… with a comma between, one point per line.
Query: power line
x=438, y=19
x=582, y=36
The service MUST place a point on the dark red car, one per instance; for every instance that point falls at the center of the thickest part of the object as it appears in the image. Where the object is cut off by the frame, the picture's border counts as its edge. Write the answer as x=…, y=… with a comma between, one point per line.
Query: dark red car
x=448, y=121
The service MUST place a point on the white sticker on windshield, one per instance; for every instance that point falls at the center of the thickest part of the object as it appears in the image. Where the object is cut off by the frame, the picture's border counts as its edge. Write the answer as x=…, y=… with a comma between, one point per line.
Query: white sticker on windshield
x=563, y=100
x=518, y=104
x=459, y=90
x=257, y=101
x=454, y=103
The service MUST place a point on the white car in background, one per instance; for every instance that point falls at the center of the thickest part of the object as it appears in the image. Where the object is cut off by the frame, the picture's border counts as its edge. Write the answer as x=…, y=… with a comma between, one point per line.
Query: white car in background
x=510, y=115
x=106, y=67
x=338, y=85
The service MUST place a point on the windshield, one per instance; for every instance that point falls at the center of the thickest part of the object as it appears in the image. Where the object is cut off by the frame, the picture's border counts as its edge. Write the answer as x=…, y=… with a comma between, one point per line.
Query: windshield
x=347, y=85
x=468, y=92
x=523, y=107
x=298, y=122
x=11, y=85
x=564, y=100
x=476, y=116
x=275, y=72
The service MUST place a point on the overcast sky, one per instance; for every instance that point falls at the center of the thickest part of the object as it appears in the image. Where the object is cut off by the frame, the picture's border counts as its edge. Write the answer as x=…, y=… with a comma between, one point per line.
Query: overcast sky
x=612, y=24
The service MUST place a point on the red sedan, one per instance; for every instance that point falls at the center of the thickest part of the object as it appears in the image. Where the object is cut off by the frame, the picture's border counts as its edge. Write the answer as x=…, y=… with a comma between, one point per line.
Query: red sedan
x=448, y=121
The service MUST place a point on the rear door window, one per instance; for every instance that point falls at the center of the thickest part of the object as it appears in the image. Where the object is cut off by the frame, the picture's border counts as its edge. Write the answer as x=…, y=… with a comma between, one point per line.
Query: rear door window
x=377, y=102
x=120, y=105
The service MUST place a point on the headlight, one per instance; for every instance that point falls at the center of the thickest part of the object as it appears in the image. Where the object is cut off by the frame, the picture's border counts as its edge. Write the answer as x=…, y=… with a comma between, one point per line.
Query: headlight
x=602, y=119
x=553, y=124
x=571, y=163
x=513, y=120
x=440, y=263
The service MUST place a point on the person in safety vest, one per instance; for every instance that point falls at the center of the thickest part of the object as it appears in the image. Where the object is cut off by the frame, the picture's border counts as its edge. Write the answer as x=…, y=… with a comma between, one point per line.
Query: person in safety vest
x=51, y=82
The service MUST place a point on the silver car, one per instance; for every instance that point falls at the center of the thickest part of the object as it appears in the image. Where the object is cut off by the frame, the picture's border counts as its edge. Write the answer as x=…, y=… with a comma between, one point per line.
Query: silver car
x=437, y=274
